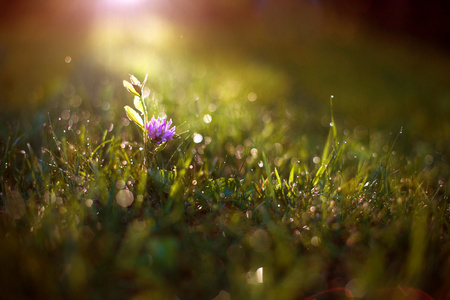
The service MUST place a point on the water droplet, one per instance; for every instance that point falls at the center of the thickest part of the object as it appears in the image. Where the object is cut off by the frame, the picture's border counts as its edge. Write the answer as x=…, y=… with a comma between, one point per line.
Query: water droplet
x=65, y=115
x=124, y=198
x=207, y=118
x=259, y=275
x=252, y=96
x=105, y=106
x=198, y=138
x=88, y=202
x=212, y=107
x=260, y=164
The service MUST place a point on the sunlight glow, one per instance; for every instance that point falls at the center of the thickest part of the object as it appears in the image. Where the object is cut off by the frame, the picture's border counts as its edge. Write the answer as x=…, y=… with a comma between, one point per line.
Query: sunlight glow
x=122, y=3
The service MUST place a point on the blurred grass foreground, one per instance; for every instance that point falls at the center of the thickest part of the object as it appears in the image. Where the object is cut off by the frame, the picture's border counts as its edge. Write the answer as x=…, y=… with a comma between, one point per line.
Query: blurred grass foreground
x=263, y=193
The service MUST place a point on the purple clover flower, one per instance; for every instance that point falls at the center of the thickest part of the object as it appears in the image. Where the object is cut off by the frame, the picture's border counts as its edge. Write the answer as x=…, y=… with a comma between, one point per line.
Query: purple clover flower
x=159, y=130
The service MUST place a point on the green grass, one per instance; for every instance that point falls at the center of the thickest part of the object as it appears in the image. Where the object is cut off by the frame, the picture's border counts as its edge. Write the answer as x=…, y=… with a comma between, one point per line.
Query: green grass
x=270, y=185
x=203, y=219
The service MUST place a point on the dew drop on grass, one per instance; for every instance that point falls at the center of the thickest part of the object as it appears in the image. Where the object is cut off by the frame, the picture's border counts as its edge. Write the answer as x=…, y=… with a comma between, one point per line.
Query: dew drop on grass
x=252, y=96
x=124, y=198
x=212, y=107
x=260, y=164
x=88, y=202
x=259, y=275
x=198, y=138
x=105, y=106
x=120, y=184
x=207, y=118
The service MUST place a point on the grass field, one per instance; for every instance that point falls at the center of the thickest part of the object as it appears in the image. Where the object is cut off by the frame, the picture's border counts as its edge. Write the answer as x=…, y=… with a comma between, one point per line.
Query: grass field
x=309, y=160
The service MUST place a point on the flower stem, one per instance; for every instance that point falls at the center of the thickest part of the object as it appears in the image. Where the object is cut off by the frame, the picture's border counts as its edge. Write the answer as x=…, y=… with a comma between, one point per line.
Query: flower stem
x=145, y=133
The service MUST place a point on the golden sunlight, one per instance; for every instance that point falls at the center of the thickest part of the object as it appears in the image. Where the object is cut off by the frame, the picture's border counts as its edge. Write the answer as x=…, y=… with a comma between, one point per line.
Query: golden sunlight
x=122, y=3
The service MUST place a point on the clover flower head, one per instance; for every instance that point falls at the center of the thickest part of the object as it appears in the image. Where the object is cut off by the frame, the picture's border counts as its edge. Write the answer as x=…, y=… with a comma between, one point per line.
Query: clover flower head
x=159, y=130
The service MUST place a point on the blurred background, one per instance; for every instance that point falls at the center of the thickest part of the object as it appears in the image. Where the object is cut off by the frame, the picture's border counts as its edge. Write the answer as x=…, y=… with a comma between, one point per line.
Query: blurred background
x=387, y=63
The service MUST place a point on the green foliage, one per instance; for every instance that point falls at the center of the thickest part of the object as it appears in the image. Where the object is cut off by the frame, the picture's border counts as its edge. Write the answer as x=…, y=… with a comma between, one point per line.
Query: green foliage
x=197, y=225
